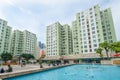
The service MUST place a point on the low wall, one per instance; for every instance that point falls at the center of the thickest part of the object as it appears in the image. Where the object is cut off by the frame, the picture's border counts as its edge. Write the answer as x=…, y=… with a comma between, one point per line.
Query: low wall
x=19, y=73
x=107, y=62
x=116, y=61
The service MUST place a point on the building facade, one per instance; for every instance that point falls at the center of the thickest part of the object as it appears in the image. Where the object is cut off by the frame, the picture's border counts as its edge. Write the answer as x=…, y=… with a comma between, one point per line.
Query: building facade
x=41, y=45
x=30, y=43
x=17, y=42
x=91, y=28
x=23, y=42
x=67, y=40
x=5, y=36
x=108, y=25
x=59, y=40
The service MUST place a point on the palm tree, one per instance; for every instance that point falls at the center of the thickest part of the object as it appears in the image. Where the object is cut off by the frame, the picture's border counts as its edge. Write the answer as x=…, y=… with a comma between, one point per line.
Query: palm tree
x=106, y=47
x=115, y=47
x=40, y=60
x=99, y=50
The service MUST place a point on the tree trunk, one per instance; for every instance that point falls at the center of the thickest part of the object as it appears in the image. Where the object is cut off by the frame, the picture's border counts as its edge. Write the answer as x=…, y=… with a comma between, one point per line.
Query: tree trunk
x=107, y=54
x=41, y=66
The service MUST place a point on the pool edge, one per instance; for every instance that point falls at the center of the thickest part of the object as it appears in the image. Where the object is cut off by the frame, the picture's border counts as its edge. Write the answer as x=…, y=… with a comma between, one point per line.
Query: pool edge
x=20, y=73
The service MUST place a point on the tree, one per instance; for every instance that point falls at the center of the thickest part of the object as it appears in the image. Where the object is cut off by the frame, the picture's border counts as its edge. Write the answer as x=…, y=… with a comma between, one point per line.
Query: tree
x=27, y=56
x=99, y=51
x=106, y=47
x=5, y=56
x=40, y=60
x=115, y=47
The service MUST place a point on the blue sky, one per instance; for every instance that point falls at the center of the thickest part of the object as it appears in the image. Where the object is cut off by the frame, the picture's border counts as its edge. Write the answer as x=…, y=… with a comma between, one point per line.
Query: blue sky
x=35, y=15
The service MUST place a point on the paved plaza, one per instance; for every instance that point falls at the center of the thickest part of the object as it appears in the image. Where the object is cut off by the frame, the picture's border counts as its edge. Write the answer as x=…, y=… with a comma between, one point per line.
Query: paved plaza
x=26, y=67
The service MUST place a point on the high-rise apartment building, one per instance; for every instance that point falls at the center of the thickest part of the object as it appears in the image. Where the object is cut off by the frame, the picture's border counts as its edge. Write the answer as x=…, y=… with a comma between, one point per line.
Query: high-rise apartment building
x=30, y=42
x=67, y=40
x=108, y=25
x=59, y=40
x=23, y=42
x=91, y=28
x=41, y=45
x=17, y=42
x=5, y=34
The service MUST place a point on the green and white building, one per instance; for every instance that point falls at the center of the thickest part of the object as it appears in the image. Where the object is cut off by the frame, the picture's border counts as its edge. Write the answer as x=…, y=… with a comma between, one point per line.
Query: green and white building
x=17, y=42
x=91, y=28
x=23, y=42
x=108, y=25
x=58, y=40
x=5, y=35
x=29, y=43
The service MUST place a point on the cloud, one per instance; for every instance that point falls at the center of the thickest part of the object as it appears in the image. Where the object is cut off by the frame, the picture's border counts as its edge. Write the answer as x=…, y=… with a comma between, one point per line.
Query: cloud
x=6, y=3
x=35, y=15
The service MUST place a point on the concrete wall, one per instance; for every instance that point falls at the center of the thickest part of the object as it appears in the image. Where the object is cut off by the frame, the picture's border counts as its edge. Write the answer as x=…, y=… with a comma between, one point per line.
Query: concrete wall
x=107, y=62
x=116, y=61
x=77, y=56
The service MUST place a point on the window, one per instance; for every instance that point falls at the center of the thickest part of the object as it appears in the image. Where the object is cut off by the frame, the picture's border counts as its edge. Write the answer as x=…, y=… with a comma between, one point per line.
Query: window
x=105, y=38
x=96, y=22
x=84, y=34
x=95, y=14
x=85, y=42
x=82, y=19
x=90, y=9
x=90, y=50
x=93, y=28
x=94, y=41
x=83, y=23
x=104, y=34
x=103, y=26
x=91, y=16
x=85, y=46
x=95, y=45
x=89, y=46
x=92, y=20
x=104, y=30
x=94, y=49
x=92, y=24
x=83, y=30
x=109, y=33
x=110, y=37
x=82, y=16
x=90, y=12
x=93, y=32
x=94, y=36
x=86, y=50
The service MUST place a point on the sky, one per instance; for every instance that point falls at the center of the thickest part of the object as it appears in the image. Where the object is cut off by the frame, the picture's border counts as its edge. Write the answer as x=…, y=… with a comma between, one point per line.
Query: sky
x=35, y=15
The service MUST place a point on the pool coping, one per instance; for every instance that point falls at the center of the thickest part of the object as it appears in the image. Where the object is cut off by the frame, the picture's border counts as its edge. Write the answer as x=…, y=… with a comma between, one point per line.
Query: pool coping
x=23, y=72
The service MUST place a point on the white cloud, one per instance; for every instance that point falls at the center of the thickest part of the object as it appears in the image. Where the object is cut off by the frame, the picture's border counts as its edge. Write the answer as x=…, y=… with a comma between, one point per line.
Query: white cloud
x=6, y=2
x=35, y=15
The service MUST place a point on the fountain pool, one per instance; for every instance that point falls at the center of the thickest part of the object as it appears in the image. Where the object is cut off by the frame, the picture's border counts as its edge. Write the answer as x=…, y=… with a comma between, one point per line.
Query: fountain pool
x=75, y=72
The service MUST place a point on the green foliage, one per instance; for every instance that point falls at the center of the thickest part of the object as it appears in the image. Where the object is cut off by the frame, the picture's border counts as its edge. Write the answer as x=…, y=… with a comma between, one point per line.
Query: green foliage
x=5, y=56
x=48, y=62
x=99, y=51
x=106, y=47
x=42, y=56
x=40, y=61
x=27, y=56
x=115, y=47
x=101, y=55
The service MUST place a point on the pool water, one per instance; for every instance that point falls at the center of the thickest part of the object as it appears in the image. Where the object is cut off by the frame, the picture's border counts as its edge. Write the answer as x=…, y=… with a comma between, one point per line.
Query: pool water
x=75, y=72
